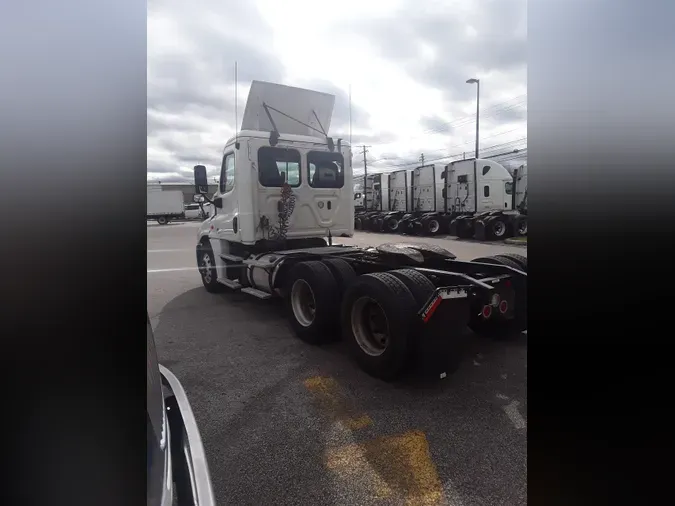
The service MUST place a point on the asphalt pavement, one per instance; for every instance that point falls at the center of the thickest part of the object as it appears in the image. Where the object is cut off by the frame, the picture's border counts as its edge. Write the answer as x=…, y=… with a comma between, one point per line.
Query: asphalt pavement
x=287, y=423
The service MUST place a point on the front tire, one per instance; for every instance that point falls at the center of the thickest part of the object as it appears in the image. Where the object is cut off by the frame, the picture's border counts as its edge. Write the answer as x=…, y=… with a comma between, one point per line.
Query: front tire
x=432, y=226
x=497, y=228
x=207, y=269
x=391, y=225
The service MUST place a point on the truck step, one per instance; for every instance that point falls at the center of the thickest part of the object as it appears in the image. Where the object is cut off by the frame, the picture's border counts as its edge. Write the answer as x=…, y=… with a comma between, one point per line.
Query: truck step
x=256, y=293
x=230, y=283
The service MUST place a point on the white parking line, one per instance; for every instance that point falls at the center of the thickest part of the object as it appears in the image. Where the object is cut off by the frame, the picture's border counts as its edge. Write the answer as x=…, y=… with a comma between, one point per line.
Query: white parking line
x=167, y=250
x=514, y=415
x=151, y=271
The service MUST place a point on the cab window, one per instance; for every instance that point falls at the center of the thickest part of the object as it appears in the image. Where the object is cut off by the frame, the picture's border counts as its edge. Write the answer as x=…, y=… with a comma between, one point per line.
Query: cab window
x=508, y=187
x=277, y=166
x=326, y=170
x=227, y=173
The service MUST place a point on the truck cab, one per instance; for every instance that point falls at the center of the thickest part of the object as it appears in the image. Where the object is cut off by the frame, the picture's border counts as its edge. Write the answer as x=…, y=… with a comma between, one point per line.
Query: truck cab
x=280, y=177
x=492, y=192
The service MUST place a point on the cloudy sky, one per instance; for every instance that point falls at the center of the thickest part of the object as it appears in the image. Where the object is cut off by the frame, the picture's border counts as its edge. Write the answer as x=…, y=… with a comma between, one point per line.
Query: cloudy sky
x=407, y=67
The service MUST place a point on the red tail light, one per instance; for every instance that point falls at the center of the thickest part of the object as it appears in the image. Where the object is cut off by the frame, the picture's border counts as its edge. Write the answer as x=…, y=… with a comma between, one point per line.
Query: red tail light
x=503, y=307
x=487, y=311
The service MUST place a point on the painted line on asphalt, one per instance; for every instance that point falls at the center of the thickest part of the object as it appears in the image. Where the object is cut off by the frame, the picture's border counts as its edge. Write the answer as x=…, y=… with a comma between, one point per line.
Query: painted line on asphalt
x=514, y=415
x=168, y=250
x=328, y=393
x=152, y=271
x=394, y=468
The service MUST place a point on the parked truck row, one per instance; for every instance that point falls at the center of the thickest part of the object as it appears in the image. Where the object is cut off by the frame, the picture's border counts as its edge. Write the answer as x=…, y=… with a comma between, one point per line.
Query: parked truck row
x=476, y=198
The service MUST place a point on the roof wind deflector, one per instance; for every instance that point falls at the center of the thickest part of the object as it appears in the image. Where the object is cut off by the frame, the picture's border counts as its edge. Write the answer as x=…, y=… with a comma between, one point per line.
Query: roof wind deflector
x=305, y=112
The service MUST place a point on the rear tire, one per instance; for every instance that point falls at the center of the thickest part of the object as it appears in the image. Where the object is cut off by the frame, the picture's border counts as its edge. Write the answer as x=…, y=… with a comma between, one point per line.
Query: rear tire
x=508, y=262
x=343, y=273
x=313, y=301
x=377, y=315
x=162, y=220
x=419, y=285
x=519, y=259
x=487, y=260
x=358, y=224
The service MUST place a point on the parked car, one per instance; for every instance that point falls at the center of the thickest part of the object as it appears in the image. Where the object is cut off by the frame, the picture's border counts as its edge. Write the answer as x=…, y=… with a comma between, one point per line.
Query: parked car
x=177, y=473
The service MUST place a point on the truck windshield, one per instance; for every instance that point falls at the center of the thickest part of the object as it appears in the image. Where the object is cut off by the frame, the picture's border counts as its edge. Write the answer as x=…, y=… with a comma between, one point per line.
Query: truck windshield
x=326, y=170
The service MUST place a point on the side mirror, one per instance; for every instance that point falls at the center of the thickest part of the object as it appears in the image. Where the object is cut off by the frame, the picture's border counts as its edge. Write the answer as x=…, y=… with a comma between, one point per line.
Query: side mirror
x=218, y=202
x=201, y=180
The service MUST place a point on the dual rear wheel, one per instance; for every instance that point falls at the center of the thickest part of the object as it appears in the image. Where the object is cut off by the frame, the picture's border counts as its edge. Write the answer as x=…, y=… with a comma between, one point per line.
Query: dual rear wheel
x=377, y=312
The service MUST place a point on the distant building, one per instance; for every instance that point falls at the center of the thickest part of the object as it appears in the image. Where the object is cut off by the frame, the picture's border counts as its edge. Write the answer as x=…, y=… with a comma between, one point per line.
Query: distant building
x=187, y=189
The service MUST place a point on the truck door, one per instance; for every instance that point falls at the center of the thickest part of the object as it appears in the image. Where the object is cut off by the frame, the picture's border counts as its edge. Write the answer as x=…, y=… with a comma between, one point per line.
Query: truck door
x=223, y=223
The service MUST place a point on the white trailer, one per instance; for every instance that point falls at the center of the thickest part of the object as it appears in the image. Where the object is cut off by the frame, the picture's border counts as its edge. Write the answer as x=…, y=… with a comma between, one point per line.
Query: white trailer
x=285, y=192
x=164, y=206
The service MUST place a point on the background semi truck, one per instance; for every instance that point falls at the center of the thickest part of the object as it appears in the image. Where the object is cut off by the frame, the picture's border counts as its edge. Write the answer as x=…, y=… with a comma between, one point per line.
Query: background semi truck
x=285, y=192
x=164, y=206
x=467, y=198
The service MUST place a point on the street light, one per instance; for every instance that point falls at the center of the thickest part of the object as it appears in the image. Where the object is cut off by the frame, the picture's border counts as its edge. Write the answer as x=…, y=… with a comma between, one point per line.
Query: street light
x=477, y=83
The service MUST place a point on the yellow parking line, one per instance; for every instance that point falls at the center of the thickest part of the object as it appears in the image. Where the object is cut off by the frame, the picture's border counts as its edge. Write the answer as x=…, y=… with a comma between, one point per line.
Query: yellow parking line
x=395, y=467
x=335, y=404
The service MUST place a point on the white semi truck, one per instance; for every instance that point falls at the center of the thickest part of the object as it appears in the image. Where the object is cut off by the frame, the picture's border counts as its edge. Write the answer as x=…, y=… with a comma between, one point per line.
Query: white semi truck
x=164, y=206
x=285, y=192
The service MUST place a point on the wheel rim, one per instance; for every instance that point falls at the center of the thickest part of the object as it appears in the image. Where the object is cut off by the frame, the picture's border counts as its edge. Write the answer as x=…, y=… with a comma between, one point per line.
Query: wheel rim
x=499, y=228
x=370, y=326
x=522, y=228
x=303, y=303
x=392, y=224
x=434, y=226
x=207, y=268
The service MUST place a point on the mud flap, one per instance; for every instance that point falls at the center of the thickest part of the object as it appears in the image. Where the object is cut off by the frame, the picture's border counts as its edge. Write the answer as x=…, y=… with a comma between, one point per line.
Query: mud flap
x=452, y=228
x=440, y=343
x=480, y=233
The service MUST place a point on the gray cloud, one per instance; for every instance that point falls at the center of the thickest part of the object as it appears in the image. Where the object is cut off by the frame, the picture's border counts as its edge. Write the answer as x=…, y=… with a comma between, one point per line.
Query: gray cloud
x=191, y=92
x=436, y=124
x=500, y=43
x=340, y=119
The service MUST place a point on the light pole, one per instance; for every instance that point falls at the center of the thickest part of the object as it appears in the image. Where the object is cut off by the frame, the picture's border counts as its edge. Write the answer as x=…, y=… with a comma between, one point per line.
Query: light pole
x=477, y=83
x=475, y=161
